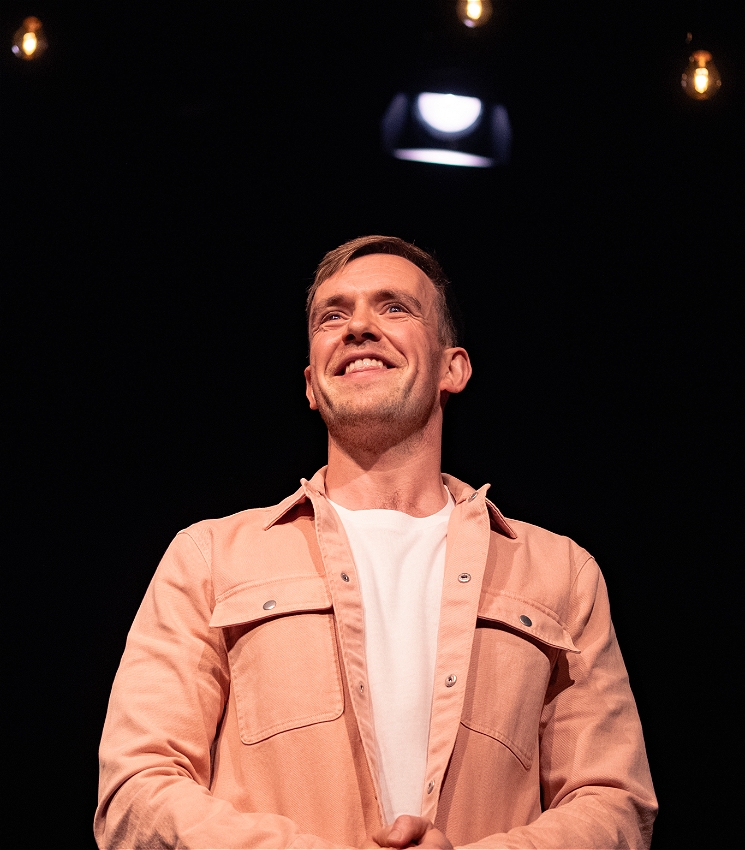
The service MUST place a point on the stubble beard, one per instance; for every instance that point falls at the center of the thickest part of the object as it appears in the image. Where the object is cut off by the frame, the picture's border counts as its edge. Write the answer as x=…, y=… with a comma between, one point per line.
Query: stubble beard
x=374, y=425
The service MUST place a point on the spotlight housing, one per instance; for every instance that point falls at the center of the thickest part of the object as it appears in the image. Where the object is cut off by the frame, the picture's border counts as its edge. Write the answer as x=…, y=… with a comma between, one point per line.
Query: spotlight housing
x=447, y=128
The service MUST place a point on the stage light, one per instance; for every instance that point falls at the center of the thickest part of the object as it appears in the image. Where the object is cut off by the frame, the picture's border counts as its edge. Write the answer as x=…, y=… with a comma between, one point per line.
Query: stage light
x=447, y=129
x=701, y=79
x=29, y=42
x=474, y=13
x=451, y=115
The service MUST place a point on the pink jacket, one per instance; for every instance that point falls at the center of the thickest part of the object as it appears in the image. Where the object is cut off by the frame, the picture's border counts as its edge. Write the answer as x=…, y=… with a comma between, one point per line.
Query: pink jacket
x=240, y=714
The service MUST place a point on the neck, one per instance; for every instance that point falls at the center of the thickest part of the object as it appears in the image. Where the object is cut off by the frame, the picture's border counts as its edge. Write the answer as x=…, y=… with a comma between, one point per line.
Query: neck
x=403, y=476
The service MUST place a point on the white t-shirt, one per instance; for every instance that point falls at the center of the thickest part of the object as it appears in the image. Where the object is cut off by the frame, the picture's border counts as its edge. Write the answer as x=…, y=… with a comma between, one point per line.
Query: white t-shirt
x=400, y=562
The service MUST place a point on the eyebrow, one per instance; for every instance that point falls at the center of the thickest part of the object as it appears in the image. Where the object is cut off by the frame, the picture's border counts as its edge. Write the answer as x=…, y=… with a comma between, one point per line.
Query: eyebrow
x=379, y=295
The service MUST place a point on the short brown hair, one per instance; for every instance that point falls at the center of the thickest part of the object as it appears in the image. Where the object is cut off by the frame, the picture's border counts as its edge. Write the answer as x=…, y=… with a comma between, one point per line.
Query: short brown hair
x=335, y=261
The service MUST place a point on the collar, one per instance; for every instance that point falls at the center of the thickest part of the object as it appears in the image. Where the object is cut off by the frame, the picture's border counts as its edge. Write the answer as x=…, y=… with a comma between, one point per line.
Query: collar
x=461, y=493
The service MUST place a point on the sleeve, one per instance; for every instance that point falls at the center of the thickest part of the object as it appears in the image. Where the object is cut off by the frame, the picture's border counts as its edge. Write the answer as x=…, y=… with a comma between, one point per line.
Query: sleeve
x=164, y=713
x=595, y=782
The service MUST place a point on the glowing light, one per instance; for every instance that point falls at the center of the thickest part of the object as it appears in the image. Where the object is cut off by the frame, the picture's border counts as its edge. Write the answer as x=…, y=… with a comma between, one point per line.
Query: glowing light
x=474, y=9
x=29, y=42
x=443, y=157
x=701, y=79
x=474, y=13
x=449, y=114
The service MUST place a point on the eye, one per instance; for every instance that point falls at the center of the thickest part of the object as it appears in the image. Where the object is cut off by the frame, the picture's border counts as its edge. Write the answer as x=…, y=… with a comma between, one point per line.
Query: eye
x=331, y=317
x=396, y=308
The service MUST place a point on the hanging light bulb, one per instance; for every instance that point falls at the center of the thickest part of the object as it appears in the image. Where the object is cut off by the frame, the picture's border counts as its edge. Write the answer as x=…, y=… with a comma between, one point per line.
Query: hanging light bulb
x=474, y=13
x=29, y=42
x=701, y=79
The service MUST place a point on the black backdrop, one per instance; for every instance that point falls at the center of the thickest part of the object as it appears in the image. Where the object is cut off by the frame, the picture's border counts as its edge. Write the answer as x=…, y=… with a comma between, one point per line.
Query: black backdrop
x=171, y=179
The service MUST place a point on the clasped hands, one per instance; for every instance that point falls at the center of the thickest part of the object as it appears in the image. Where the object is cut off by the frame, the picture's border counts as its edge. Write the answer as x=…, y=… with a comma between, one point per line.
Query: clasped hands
x=410, y=831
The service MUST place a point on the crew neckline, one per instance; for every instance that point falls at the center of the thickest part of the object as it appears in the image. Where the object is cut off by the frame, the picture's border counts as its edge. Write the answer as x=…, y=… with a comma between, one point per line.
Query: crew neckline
x=444, y=511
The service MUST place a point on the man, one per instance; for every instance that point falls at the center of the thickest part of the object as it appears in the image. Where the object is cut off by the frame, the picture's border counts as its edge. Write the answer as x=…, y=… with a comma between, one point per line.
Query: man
x=381, y=659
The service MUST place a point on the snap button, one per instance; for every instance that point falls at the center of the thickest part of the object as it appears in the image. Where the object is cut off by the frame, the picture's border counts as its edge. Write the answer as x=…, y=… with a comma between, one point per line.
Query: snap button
x=345, y=577
x=464, y=577
x=431, y=786
x=451, y=680
x=526, y=621
x=473, y=495
x=269, y=605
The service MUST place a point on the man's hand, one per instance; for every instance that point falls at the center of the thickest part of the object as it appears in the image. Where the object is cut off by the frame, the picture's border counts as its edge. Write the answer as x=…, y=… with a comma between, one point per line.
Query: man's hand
x=411, y=831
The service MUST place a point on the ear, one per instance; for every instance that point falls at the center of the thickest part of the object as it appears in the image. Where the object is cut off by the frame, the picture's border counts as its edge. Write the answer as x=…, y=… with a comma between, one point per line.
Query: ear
x=456, y=370
x=309, y=394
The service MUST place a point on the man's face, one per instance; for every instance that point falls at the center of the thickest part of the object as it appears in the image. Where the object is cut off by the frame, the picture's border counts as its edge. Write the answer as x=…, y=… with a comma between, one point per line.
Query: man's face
x=375, y=354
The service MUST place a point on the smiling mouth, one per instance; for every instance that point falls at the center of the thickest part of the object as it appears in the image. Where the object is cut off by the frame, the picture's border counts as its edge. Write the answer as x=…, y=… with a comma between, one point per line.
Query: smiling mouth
x=364, y=364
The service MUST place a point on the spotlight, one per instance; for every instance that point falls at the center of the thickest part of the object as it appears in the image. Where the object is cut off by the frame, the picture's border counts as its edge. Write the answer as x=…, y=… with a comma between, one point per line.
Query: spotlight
x=29, y=41
x=447, y=128
x=449, y=116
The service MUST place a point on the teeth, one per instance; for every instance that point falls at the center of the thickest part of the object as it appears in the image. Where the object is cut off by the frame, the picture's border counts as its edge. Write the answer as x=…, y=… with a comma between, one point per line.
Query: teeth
x=364, y=363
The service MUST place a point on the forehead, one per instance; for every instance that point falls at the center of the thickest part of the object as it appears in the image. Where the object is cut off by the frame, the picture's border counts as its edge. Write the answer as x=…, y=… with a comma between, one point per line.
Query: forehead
x=374, y=272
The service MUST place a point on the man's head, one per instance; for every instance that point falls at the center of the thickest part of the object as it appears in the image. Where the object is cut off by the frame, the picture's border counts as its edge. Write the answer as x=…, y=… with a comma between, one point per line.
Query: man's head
x=335, y=261
x=381, y=367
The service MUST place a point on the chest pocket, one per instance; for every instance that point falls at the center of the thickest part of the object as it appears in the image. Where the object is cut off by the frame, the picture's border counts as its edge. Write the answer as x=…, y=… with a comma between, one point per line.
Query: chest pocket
x=284, y=663
x=515, y=647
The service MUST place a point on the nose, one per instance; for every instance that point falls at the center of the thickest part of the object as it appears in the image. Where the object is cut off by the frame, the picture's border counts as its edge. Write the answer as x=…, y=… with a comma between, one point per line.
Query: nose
x=362, y=325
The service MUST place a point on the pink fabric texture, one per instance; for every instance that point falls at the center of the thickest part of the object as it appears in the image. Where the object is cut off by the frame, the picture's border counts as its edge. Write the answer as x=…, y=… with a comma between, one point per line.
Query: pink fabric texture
x=240, y=714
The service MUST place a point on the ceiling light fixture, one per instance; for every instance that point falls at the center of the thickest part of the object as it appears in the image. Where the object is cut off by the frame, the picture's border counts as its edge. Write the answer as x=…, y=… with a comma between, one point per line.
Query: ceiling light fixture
x=447, y=129
x=701, y=78
x=474, y=13
x=448, y=115
x=29, y=41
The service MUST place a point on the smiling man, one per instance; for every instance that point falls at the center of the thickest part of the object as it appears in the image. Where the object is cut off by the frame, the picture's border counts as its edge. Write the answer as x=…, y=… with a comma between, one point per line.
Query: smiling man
x=381, y=659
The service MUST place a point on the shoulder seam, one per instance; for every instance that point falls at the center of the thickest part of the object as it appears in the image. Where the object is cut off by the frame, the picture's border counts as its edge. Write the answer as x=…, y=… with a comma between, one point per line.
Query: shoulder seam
x=207, y=564
x=579, y=571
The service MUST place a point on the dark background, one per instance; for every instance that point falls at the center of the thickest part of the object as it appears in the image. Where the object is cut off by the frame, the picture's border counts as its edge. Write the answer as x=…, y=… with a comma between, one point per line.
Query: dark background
x=172, y=178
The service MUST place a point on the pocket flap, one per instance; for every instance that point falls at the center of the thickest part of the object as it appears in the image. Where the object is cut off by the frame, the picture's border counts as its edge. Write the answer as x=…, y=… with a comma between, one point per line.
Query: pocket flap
x=527, y=617
x=255, y=601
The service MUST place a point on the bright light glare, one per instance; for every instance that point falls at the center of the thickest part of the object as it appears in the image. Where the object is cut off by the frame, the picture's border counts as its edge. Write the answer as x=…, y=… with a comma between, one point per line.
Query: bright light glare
x=474, y=13
x=29, y=43
x=449, y=113
x=701, y=80
x=443, y=157
x=474, y=9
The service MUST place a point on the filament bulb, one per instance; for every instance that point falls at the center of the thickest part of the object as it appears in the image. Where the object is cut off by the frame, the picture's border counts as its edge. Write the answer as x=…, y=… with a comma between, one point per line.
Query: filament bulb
x=701, y=79
x=474, y=13
x=29, y=42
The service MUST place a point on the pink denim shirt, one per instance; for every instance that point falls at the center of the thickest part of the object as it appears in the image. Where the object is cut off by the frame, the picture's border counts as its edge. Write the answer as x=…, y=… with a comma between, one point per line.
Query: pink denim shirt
x=240, y=715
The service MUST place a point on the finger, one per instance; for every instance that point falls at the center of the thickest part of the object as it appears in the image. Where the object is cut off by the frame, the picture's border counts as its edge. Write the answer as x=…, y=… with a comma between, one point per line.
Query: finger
x=405, y=830
x=435, y=840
